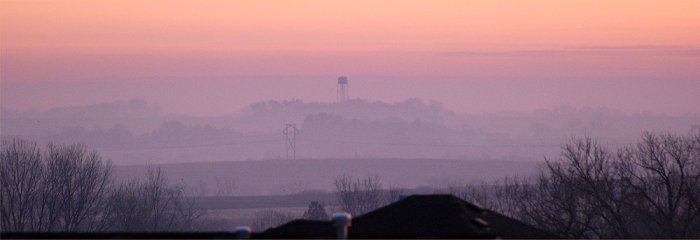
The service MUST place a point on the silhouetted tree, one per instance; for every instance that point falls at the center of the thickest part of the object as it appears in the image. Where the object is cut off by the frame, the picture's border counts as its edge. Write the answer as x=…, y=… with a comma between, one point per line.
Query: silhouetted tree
x=392, y=195
x=67, y=188
x=358, y=196
x=270, y=218
x=650, y=190
x=21, y=171
x=316, y=211
x=152, y=206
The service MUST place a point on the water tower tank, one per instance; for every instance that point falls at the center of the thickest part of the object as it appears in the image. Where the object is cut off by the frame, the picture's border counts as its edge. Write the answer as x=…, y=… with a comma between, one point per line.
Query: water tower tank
x=342, y=80
x=343, y=90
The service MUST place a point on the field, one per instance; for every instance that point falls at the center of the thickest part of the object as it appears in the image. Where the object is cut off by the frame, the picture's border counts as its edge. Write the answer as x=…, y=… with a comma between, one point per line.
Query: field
x=235, y=193
x=283, y=177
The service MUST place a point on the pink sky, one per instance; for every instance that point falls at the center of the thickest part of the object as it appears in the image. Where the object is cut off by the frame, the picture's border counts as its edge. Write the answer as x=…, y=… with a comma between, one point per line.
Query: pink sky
x=214, y=57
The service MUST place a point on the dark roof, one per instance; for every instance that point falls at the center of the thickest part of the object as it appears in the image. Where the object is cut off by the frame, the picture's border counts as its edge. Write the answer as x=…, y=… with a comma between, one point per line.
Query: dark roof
x=119, y=235
x=300, y=229
x=418, y=216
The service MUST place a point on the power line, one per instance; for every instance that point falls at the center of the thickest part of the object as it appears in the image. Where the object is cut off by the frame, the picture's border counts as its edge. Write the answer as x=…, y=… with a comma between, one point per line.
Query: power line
x=291, y=133
x=190, y=146
x=380, y=143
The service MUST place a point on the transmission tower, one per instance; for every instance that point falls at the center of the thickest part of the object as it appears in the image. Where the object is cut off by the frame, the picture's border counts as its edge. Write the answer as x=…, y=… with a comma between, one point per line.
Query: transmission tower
x=290, y=136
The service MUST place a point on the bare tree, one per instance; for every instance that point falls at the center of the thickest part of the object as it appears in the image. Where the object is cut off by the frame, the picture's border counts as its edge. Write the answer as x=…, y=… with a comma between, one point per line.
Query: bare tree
x=316, y=211
x=62, y=190
x=224, y=187
x=126, y=207
x=549, y=203
x=270, y=218
x=152, y=206
x=76, y=186
x=647, y=190
x=586, y=170
x=392, y=195
x=358, y=196
x=67, y=188
x=20, y=178
x=662, y=174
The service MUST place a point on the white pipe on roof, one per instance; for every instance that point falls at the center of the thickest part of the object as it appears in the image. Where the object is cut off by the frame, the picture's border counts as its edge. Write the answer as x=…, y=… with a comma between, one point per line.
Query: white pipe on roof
x=242, y=232
x=342, y=221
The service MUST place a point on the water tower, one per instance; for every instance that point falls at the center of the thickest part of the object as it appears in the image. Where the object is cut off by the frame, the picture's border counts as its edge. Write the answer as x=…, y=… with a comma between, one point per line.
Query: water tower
x=343, y=91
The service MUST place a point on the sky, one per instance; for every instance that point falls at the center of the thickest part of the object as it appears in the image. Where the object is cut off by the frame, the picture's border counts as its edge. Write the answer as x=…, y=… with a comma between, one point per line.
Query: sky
x=215, y=57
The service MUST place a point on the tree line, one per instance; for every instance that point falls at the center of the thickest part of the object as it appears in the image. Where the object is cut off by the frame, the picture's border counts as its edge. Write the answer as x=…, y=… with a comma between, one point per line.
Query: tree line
x=68, y=188
x=647, y=190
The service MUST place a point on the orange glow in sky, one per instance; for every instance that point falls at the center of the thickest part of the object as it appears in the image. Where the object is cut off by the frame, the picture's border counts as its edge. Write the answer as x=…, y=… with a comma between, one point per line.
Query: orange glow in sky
x=120, y=40
x=209, y=27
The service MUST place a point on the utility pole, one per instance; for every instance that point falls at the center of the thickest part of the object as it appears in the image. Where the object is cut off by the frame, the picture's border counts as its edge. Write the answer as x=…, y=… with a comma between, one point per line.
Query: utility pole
x=290, y=135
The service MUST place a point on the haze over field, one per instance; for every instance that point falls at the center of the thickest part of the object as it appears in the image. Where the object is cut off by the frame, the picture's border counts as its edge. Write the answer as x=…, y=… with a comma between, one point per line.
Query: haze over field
x=542, y=118
x=188, y=81
x=138, y=132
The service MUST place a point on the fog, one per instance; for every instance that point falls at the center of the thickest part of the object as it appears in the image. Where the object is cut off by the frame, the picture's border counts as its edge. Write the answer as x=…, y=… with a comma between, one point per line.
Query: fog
x=557, y=119
x=357, y=137
x=489, y=90
x=140, y=132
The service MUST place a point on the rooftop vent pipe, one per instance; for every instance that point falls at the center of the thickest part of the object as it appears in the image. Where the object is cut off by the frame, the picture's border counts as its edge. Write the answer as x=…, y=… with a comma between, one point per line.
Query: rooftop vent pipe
x=341, y=222
x=242, y=232
x=481, y=224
